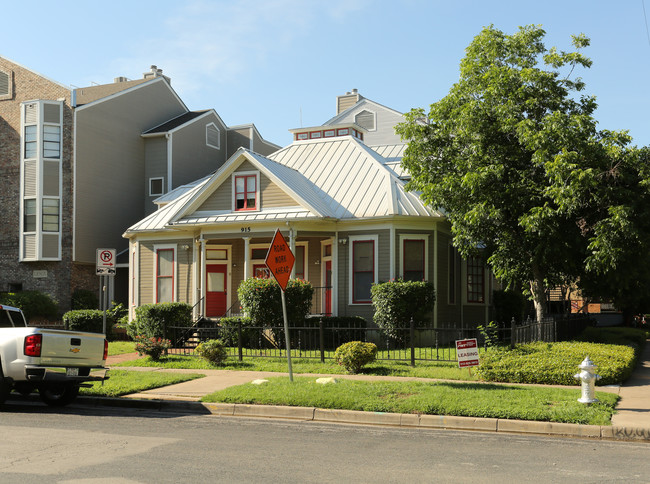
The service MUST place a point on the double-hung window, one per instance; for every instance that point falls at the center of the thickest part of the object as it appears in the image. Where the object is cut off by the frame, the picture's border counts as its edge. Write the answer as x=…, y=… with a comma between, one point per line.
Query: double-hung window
x=246, y=194
x=165, y=271
x=363, y=268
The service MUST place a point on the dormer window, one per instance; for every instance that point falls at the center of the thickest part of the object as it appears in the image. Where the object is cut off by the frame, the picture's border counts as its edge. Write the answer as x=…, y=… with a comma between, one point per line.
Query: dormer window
x=246, y=191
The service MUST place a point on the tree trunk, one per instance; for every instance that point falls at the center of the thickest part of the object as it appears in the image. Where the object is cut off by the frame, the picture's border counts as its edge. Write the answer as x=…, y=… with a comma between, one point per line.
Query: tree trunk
x=538, y=291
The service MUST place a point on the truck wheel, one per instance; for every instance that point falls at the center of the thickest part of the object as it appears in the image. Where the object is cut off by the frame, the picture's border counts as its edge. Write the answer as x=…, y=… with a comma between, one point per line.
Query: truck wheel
x=5, y=388
x=58, y=395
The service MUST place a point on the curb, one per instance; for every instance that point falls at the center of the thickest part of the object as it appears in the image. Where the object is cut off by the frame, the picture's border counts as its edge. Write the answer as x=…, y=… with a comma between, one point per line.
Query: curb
x=431, y=422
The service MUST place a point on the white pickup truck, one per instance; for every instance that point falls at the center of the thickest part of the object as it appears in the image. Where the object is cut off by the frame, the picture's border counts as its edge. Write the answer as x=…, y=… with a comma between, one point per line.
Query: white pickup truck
x=54, y=362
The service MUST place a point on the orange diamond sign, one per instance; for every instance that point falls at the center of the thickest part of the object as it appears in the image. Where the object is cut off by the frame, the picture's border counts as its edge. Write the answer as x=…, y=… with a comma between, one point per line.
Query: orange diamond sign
x=280, y=259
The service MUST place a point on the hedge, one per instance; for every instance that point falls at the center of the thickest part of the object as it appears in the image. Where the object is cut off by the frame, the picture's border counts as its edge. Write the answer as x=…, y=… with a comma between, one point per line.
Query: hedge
x=33, y=303
x=151, y=320
x=557, y=363
x=89, y=320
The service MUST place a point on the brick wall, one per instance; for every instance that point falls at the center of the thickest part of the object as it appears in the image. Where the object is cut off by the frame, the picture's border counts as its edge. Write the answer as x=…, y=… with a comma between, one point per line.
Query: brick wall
x=28, y=85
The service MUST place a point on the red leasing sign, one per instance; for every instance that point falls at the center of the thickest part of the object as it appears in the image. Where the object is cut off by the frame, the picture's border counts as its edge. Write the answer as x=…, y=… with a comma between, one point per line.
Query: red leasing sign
x=467, y=352
x=280, y=259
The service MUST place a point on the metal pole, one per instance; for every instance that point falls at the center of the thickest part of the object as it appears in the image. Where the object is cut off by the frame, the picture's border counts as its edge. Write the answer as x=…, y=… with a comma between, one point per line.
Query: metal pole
x=286, y=335
x=104, y=303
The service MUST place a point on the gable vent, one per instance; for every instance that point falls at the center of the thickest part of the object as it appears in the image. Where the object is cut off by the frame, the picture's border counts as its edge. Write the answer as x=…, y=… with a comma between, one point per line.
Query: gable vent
x=4, y=84
x=365, y=119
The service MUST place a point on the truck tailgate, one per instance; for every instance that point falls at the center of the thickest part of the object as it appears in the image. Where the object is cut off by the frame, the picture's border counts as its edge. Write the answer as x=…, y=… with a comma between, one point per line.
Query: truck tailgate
x=72, y=348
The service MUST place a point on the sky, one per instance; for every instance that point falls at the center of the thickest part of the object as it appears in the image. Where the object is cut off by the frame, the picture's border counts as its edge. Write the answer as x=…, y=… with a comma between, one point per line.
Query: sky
x=281, y=63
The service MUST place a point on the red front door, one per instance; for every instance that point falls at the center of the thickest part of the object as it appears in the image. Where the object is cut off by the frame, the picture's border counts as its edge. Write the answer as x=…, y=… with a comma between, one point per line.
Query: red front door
x=216, y=285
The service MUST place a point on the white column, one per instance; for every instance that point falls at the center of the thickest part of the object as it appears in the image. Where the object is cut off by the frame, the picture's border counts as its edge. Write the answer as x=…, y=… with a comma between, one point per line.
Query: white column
x=201, y=284
x=247, y=257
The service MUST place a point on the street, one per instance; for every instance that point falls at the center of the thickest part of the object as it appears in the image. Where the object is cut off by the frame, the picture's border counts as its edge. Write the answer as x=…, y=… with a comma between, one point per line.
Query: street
x=83, y=444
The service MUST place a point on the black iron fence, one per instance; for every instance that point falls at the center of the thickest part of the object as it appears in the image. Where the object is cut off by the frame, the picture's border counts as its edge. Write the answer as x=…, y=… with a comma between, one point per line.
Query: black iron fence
x=317, y=340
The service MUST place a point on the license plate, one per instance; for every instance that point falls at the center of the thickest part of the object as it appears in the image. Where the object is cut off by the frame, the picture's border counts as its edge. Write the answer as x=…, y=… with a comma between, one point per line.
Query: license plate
x=72, y=371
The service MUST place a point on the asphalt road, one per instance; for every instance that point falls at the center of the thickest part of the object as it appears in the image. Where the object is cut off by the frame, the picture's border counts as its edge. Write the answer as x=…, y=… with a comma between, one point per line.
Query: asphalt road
x=99, y=445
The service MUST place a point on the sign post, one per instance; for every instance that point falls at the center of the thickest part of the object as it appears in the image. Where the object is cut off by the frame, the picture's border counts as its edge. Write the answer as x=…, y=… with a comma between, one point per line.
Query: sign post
x=105, y=268
x=467, y=353
x=280, y=260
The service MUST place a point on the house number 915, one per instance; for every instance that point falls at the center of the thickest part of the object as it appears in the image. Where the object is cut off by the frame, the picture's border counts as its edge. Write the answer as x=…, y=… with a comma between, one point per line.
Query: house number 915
x=245, y=229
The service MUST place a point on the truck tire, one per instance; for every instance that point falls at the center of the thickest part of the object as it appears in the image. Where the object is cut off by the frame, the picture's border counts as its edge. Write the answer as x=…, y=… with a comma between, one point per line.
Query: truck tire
x=58, y=395
x=5, y=388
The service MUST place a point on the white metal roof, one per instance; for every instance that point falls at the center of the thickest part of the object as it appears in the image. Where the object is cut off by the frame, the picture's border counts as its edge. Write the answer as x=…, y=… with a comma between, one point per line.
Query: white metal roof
x=335, y=178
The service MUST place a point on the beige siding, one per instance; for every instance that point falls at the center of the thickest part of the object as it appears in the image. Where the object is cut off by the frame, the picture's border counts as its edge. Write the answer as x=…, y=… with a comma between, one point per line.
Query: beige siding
x=184, y=283
x=146, y=279
x=220, y=199
x=273, y=196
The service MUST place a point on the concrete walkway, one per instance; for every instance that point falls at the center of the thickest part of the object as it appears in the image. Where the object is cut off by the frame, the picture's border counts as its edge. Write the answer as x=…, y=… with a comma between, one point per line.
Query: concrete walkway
x=631, y=422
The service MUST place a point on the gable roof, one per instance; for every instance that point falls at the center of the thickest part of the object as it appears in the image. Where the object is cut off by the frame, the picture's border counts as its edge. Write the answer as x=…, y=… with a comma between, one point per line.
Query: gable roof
x=329, y=179
x=177, y=122
x=363, y=102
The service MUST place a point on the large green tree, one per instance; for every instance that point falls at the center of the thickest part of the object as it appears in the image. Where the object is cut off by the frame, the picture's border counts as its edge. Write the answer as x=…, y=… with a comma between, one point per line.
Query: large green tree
x=496, y=152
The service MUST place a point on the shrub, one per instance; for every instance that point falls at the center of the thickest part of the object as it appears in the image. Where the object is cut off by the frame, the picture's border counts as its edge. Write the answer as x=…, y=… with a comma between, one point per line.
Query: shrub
x=152, y=347
x=261, y=301
x=90, y=320
x=33, y=303
x=355, y=354
x=213, y=350
x=396, y=302
x=84, y=299
x=151, y=320
x=556, y=363
x=489, y=333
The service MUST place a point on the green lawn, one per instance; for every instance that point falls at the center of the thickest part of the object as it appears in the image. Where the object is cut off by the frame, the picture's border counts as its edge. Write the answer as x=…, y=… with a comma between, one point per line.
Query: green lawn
x=437, y=398
x=123, y=382
x=423, y=369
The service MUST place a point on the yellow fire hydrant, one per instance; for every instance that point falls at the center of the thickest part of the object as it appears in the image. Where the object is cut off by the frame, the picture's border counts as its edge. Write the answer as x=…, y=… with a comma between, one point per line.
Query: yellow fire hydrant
x=588, y=378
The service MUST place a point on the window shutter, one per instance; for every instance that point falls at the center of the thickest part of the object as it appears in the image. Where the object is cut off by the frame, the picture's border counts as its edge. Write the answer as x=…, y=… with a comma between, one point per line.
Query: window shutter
x=4, y=84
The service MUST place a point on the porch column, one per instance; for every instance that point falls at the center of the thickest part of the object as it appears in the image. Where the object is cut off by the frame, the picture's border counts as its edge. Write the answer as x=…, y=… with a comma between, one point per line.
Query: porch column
x=435, y=274
x=200, y=285
x=392, y=254
x=292, y=245
x=247, y=257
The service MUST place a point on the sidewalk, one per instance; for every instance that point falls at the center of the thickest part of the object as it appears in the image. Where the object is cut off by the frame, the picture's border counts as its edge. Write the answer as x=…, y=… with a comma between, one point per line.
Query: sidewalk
x=631, y=422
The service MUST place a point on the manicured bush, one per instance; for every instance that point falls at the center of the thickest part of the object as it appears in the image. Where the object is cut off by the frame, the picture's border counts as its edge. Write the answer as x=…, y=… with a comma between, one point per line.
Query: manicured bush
x=90, y=320
x=151, y=320
x=396, y=302
x=152, y=347
x=213, y=350
x=355, y=355
x=556, y=363
x=84, y=299
x=261, y=300
x=33, y=303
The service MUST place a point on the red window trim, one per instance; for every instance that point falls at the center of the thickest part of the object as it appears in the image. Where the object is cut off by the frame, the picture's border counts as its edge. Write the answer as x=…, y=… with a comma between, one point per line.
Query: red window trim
x=158, y=276
x=245, y=192
x=354, y=271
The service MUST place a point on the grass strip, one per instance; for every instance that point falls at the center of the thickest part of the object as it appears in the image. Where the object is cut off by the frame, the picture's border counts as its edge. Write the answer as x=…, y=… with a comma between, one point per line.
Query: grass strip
x=436, y=398
x=423, y=369
x=122, y=382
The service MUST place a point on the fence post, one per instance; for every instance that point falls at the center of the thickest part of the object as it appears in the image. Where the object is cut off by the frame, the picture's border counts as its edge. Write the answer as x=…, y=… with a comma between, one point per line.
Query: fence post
x=512, y=333
x=239, y=342
x=321, y=338
x=412, y=337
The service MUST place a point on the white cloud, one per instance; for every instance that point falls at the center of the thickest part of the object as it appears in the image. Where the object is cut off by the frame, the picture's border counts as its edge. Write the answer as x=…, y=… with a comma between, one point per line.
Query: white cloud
x=206, y=43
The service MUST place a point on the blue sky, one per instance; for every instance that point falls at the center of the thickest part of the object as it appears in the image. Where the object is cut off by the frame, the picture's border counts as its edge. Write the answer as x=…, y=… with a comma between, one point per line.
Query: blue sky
x=281, y=63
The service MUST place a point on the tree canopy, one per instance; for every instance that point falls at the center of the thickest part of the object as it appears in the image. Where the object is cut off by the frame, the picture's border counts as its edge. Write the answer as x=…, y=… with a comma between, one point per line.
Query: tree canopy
x=513, y=156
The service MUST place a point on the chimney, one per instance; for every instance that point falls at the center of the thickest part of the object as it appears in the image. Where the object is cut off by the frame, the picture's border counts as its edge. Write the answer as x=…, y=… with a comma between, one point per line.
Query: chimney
x=120, y=79
x=347, y=100
x=155, y=72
